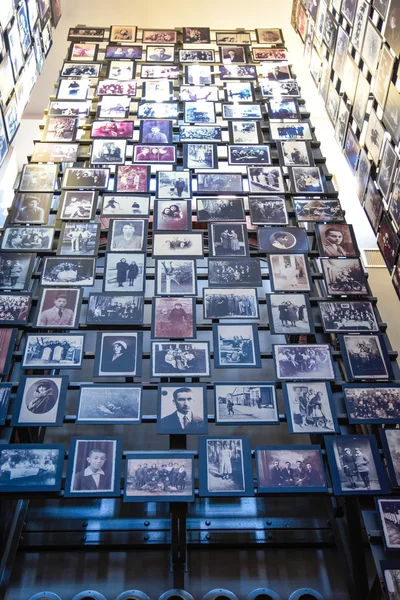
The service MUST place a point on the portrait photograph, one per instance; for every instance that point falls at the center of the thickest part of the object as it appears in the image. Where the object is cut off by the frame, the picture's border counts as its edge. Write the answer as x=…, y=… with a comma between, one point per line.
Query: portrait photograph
x=232, y=37
x=290, y=131
x=83, y=52
x=232, y=272
x=174, y=184
x=230, y=303
x=245, y=404
x=303, y=361
x=236, y=346
x=115, y=309
x=388, y=242
x=224, y=208
x=58, y=309
x=289, y=273
x=121, y=70
x=232, y=54
x=122, y=89
x=118, y=354
x=233, y=71
x=60, y=129
x=73, y=89
x=40, y=402
x=132, y=178
x=289, y=469
x=229, y=239
x=75, y=178
x=182, y=409
x=245, y=132
x=172, y=216
x=26, y=239
x=171, y=245
x=159, y=477
x=108, y=152
x=344, y=277
x=225, y=467
x=372, y=402
x=155, y=131
x=77, y=205
x=196, y=35
x=110, y=404
x=12, y=120
x=355, y=465
x=388, y=510
x=94, y=467
x=196, y=56
x=348, y=316
x=38, y=178
x=265, y=179
x=159, y=36
x=239, y=91
x=50, y=152
x=289, y=314
x=125, y=205
x=365, y=357
x=196, y=93
x=124, y=271
x=175, y=277
x=68, y=271
x=122, y=33
x=16, y=270
x=79, y=239
x=31, y=468
x=31, y=208
x=115, y=51
x=173, y=318
x=310, y=408
x=288, y=240
x=389, y=162
x=268, y=210
x=390, y=444
x=154, y=154
x=86, y=34
x=180, y=359
x=5, y=396
x=336, y=240
x=249, y=155
x=127, y=236
x=165, y=71
x=360, y=23
x=242, y=111
x=269, y=36
x=318, y=211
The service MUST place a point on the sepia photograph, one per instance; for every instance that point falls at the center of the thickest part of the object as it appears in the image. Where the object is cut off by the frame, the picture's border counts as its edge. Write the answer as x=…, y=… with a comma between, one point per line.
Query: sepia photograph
x=289, y=314
x=55, y=152
x=318, y=211
x=125, y=205
x=225, y=467
x=245, y=132
x=372, y=403
x=53, y=351
x=175, y=277
x=229, y=239
x=159, y=36
x=246, y=404
x=83, y=52
x=388, y=510
x=118, y=354
x=270, y=36
x=222, y=208
x=209, y=183
x=31, y=208
x=115, y=308
x=196, y=35
x=365, y=357
x=348, y=317
x=122, y=90
x=232, y=272
x=60, y=129
x=40, y=402
x=344, y=277
x=268, y=210
x=174, y=184
x=31, y=468
x=38, y=178
x=230, y=303
x=69, y=271
x=84, y=34
x=16, y=270
x=132, y=178
x=310, y=408
x=182, y=409
x=171, y=245
x=265, y=179
x=236, y=346
x=336, y=240
x=14, y=308
x=110, y=404
x=289, y=273
x=79, y=239
x=122, y=33
x=38, y=239
x=303, y=361
x=180, y=359
x=173, y=318
x=274, y=240
x=122, y=271
x=125, y=235
x=5, y=397
x=390, y=444
x=58, y=309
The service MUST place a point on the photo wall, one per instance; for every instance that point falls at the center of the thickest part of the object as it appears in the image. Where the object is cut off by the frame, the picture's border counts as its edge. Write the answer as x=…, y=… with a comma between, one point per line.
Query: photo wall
x=25, y=40
x=352, y=49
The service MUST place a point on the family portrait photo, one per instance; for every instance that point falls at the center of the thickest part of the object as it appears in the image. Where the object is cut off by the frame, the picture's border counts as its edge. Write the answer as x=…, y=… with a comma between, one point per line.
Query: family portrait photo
x=372, y=402
x=115, y=308
x=346, y=317
x=268, y=210
x=230, y=303
x=232, y=272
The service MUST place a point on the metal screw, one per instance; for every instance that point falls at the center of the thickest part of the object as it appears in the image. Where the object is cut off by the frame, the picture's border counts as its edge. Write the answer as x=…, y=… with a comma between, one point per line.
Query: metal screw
x=146, y=538
x=146, y=523
x=83, y=537
x=269, y=522
x=270, y=536
x=208, y=523
x=84, y=524
x=208, y=536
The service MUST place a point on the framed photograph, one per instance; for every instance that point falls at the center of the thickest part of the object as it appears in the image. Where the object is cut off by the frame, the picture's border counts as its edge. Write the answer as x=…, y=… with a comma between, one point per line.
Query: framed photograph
x=360, y=23
x=155, y=132
x=289, y=314
x=115, y=308
x=75, y=179
x=159, y=477
x=355, y=465
x=342, y=122
x=166, y=71
x=160, y=90
x=188, y=244
x=198, y=93
x=268, y=210
x=180, y=359
x=109, y=404
x=189, y=133
x=289, y=469
x=307, y=180
x=283, y=109
x=173, y=318
x=159, y=36
x=132, y=178
x=200, y=156
x=295, y=154
x=362, y=174
x=245, y=404
x=289, y=240
x=221, y=303
x=122, y=33
x=83, y=52
x=387, y=168
x=336, y=240
x=291, y=131
x=182, y=409
x=229, y=239
x=249, y=155
x=115, y=51
x=275, y=71
x=94, y=467
x=27, y=239
x=79, y=239
x=127, y=205
x=154, y=154
x=241, y=111
x=58, y=309
x=73, y=69
x=112, y=129
x=60, y=129
x=15, y=49
x=232, y=37
x=173, y=184
x=11, y=119
x=196, y=56
x=232, y=272
x=196, y=35
x=390, y=444
x=125, y=235
x=64, y=108
x=233, y=71
x=118, y=354
x=3, y=140
x=16, y=270
x=303, y=361
x=208, y=183
x=73, y=89
x=127, y=270
x=318, y=211
x=267, y=54
x=236, y=346
x=233, y=54
x=348, y=316
x=77, y=205
x=365, y=357
x=199, y=112
x=383, y=76
x=53, y=351
x=68, y=271
x=239, y=91
x=40, y=402
x=394, y=206
x=390, y=31
x=5, y=396
x=31, y=208
x=387, y=241
x=158, y=110
x=269, y=36
x=225, y=467
x=172, y=216
x=245, y=132
x=38, y=178
x=14, y=308
x=289, y=273
x=371, y=47
x=121, y=70
x=86, y=34
x=396, y=277
x=31, y=467
x=374, y=136
x=52, y=152
x=6, y=78
x=175, y=277
x=116, y=87
x=372, y=403
x=344, y=277
x=388, y=511
x=224, y=208
x=310, y=408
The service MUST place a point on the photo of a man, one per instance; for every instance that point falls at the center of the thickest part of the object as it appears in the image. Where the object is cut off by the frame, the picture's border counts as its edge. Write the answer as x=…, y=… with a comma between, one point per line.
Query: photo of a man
x=61, y=309
x=93, y=467
x=185, y=402
x=93, y=477
x=333, y=242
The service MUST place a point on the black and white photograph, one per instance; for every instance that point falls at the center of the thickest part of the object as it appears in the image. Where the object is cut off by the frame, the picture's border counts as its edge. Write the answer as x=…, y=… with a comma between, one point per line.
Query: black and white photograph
x=229, y=239
x=14, y=308
x=297, y=153
x=249, y=155
x=290, y=131
x=360, y=23
x=176, y=245
x=49, y=152
x=75, y=179
x=174, y=184
x=158, y=110
x=219, y=183
x=121, y=70
x=282, y=240
x=196, y=35
x=391, y=575
x=118, y=354
x=200, y=133
x=5, y=396
x=388, y=242
x=113, y=107
x=265, y=180
x=348, y=9
x=198, y=75
x=173, y=215
x=383, y=76
x=196, y=93
x=94, y=467
x=310, y=408
x=230, y=303
x=77, y=206
x=390, y=444
x=307, y=180
x=200, y=156
x=289, y=314
x=344, y=277
x=40, y=402
x=127, y=236
x=362, y=174
x=110, y=404
x=154, y=154
x=234, y=272
x=196, y=56
x=339, y=57
x=303, y=361
x=15, y=270
x=58, y=309
x=239, y=91
x=289, y=273
x=270, y=36
x=60, y=129
x=274, y=71
x=394, y=206
x=182, y=409
x=283, y=109
x=242, y=111
x=125, y=205
x=115, y=308
x=396, y=277
x=388, y=164
x=164, y=71
x=290, y=469
x=355, y=465
x=348, y=316
x=232, y=54
x=236, y=346
x=180, y=359
x=37, y=239
x=115, y=51
x=69, y=271
x=245, y=404
x=86, y=34
x=388, y=510
x=336, y=240
x=159, y=477
x=173, y=318
x=108, y=152
x=53, y=351
x=268, y=210
x=224, y=208
x=160, y=53
x=289, y=88
x=245, y=132
x=132, y=178
x=79, y=239
x=38, y=178
x=318, y=211
x=31, y=468
x=175, y=277
x=125, y=271
x=373, y=403
x=351, y=149
x=374, y=136
x=73, y=89
x=3, y=140
x=225, y=467
x=122, y=33
x=232, y=37
x=233, y=71
x=31, y=208
x=342, y=121
x=365, y=357
x=71, y=69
